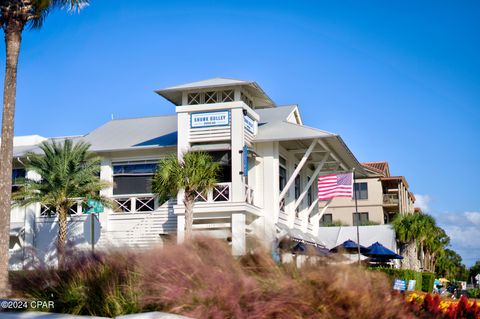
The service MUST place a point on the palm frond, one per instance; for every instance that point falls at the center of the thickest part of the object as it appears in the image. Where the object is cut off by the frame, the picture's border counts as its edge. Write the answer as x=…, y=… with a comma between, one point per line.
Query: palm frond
x=67, y=172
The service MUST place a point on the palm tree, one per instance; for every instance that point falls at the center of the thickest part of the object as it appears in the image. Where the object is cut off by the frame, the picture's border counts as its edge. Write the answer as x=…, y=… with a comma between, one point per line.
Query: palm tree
x=194, y=173
x=68, y=172
x=421, y=232
x=15, y=15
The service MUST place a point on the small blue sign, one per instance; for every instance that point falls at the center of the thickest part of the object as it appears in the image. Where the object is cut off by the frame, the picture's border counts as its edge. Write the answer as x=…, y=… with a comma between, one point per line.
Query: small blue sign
x=400, y=285
x=209, y=119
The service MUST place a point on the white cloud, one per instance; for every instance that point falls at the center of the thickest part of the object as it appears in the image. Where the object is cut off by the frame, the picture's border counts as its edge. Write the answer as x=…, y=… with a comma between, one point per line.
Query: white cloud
x=422, y=202
x=473, y=217
x=464, y=232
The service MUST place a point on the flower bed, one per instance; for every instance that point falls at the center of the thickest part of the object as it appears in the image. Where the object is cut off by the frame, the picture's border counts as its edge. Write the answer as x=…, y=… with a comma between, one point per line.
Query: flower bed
x=428, y=306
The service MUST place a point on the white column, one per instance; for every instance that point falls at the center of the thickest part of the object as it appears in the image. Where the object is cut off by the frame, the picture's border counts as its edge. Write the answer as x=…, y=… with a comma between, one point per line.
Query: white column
x=238, y=234
x=106, y=174
x=238, y=190
x=180, y=228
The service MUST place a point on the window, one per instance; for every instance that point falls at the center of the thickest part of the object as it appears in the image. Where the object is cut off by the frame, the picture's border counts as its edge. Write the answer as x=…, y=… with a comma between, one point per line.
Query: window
x=361, y=190
x=327, y=219
x=282, y=173
x=363, y=218
x=133, y=177
x=225, y=160
x=210, y=97
x=310, y=192
x=193, y=98
x=17, y=175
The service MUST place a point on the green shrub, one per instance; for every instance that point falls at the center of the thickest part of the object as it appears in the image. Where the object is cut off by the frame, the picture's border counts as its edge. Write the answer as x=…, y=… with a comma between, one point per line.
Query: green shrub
x=473, y=293
x=403, y=274
x=427, y=281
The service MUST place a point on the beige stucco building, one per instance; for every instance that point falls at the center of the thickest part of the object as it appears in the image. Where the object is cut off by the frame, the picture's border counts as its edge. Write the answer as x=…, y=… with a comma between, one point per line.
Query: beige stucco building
x=380, y=198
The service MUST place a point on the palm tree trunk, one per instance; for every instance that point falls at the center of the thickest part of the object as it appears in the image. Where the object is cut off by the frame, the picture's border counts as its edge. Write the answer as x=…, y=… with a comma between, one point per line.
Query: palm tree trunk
x=188, y=201
x=62, y=235
x=13, y=36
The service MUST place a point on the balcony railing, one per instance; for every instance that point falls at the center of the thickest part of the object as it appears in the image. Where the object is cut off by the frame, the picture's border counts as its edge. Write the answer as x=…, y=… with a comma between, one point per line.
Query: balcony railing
x=134, y=203
x=390, y=199
x=219, y=193
x=48, y=211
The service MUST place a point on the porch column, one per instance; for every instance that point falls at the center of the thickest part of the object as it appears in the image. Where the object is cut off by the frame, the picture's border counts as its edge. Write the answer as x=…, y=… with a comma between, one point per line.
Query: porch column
x=238, y=190
x=238, y=234
x=106, y=174
x=180, y=228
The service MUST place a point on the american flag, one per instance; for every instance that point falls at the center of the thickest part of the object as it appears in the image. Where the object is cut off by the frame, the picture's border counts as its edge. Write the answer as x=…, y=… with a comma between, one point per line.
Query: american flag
x=335, y=185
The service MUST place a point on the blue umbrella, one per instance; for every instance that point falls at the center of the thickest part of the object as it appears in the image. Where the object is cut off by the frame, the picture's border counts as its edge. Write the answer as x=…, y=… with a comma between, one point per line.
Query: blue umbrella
x=349, y=246
x=377, y=250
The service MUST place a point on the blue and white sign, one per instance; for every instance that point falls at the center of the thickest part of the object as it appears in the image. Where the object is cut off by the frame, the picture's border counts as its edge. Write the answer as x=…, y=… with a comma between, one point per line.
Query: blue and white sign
x=208, y=119
x=400, y=285
x=249, y=124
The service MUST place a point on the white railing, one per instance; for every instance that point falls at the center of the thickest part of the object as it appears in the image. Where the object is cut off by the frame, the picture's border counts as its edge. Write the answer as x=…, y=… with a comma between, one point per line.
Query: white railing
x=249, y=195
x=219, y=193
x=134, y=203
x=48, y=211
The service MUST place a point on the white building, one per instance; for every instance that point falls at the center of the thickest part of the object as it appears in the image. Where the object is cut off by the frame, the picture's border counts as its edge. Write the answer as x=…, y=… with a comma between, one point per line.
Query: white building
x=270, y=162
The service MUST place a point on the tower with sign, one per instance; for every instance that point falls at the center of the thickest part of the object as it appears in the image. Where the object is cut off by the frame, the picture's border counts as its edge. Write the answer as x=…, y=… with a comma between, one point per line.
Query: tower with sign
x=218, y=116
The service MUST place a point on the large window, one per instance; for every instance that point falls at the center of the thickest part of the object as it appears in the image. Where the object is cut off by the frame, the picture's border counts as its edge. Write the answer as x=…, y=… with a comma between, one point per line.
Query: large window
x=361, y=190
x=224, y=159
x=362, y=217
x=326, y=220
x=133, y=177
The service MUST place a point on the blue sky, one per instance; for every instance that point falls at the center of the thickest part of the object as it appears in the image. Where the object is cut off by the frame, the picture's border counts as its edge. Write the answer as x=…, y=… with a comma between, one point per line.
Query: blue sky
x=399, y=81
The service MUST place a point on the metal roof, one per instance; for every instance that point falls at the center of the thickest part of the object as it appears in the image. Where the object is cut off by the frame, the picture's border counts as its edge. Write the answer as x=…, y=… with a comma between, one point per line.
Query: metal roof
x=284, y=131
x=134, y=133
x=174, y=93
x=281, y=130
x=280, y=113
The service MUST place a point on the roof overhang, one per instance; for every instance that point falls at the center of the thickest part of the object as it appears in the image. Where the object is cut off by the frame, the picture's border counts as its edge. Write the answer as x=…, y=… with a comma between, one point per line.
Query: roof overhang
x=174, y=93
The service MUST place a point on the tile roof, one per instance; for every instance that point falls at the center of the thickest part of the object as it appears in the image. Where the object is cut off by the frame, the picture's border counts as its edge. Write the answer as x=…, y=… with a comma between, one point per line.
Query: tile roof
x=379, y=167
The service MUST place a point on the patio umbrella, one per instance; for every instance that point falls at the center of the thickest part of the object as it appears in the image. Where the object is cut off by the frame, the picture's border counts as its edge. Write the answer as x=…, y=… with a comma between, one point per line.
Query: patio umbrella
x=349, y=247
x=377, y=250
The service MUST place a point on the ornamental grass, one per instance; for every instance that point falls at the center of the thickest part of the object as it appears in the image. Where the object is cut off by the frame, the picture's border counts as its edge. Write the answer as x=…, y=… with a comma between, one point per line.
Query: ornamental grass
x=201, y=279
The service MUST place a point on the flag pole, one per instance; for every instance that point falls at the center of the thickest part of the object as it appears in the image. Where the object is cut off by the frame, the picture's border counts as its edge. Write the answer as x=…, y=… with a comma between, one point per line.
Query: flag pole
x=358, y=216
